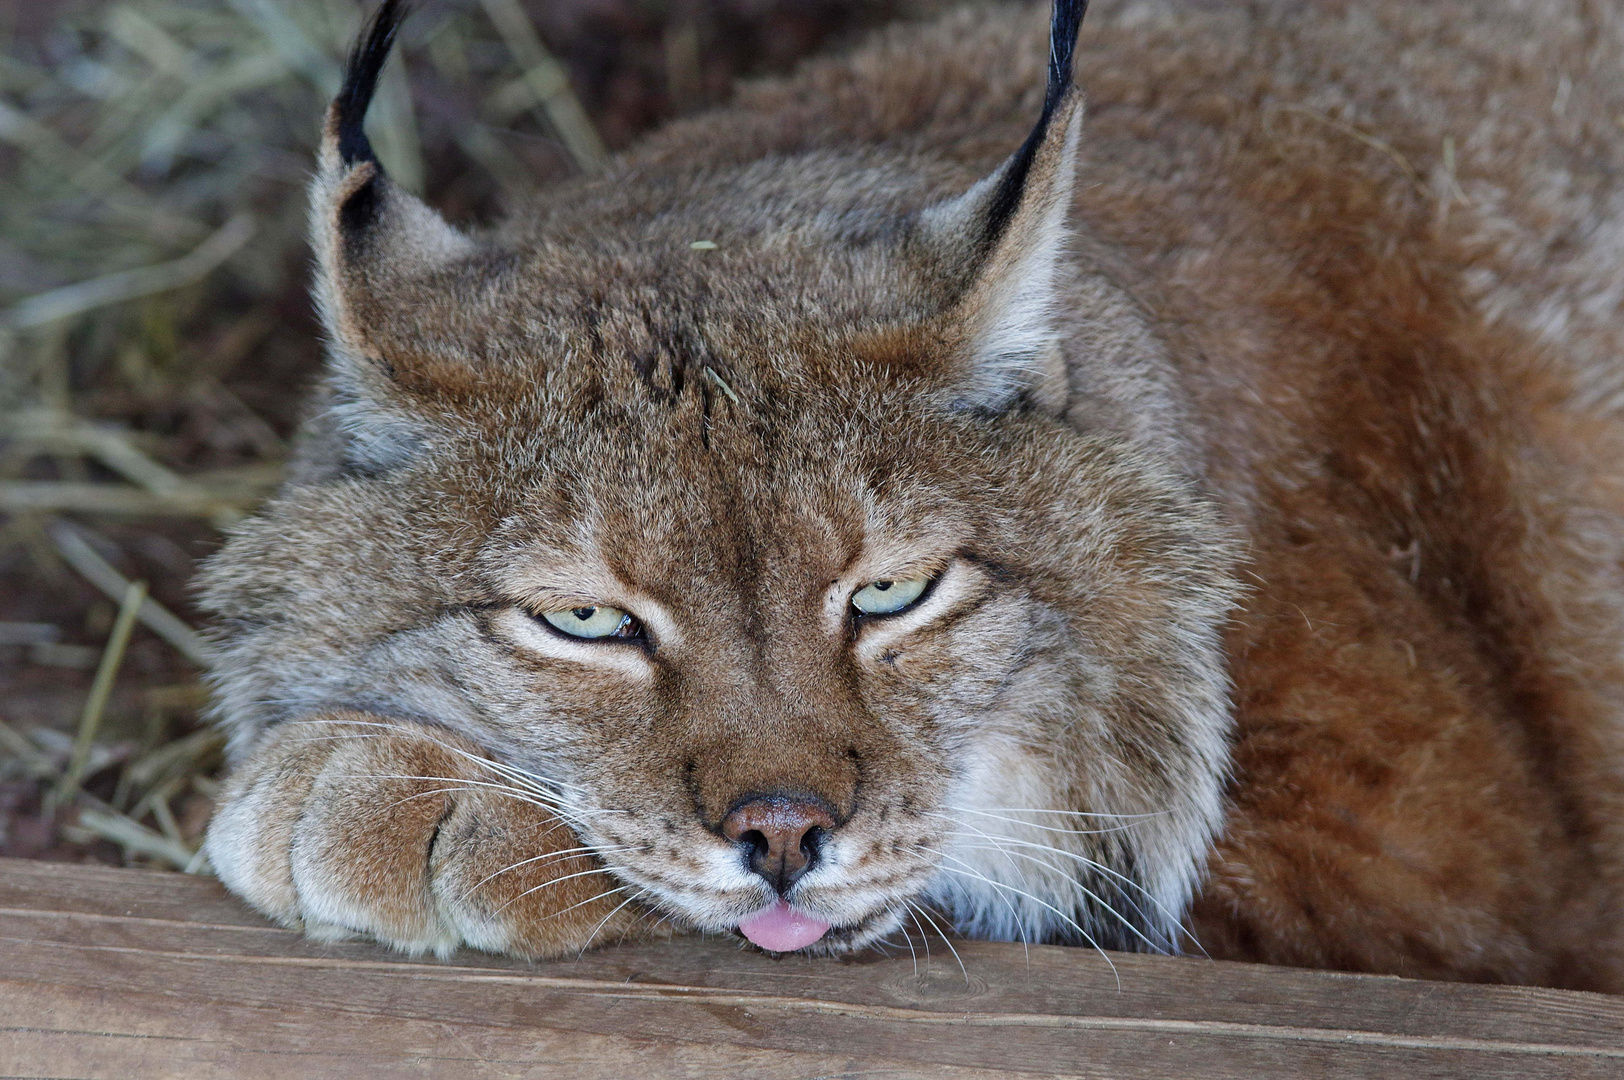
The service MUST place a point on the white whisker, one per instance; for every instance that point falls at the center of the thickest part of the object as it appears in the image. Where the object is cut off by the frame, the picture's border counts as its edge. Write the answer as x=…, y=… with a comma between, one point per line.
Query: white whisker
x=1172, y=919
x=540, y=787
x=1014, y=912
x=1034, y=825
x=911, y=951
x=1074, y=883
x=463, y=784
x=540, y=858
x=976, y=875
x=945, y=941
x=1059, y=813
x=924, y=938
x=605, y=920
x=549, y=884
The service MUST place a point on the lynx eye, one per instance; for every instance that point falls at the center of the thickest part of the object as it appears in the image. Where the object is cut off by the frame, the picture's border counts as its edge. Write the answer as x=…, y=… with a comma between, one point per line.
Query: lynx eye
x=888, y=597
x=600, y=621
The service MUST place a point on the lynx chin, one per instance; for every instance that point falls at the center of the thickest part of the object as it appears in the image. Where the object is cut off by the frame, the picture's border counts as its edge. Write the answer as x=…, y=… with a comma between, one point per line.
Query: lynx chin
x=1194, y=519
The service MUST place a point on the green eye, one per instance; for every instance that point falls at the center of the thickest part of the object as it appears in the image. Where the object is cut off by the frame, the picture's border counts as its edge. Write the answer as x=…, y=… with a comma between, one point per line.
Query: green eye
x=601, y=621
x=888, y=597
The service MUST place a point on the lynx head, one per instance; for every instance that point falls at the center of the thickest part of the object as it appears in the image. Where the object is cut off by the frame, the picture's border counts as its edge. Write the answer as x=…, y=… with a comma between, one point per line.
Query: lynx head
x=772, y=555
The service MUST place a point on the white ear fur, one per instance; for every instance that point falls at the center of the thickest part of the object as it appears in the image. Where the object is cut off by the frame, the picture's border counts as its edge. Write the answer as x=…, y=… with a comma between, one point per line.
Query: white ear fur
x=1007, y=313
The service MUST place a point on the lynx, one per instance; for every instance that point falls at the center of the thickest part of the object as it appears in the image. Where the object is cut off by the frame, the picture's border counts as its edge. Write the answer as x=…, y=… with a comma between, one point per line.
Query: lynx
x=1192, y=523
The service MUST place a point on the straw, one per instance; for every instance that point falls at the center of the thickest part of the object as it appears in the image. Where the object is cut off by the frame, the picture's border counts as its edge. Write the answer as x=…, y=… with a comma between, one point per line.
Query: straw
x=100, y=573
x=125, y=285
x=100, y=690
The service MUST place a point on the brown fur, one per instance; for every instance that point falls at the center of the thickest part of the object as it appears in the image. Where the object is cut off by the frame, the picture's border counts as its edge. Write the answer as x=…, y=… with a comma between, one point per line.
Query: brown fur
x=346, y=813
x=1343, y=282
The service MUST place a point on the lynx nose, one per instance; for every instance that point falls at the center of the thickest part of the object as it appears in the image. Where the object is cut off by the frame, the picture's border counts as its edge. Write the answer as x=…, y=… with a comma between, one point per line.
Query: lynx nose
x=780, y=835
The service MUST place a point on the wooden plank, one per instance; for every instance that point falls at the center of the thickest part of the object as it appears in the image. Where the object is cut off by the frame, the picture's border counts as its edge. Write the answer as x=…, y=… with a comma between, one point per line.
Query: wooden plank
x=123, y=973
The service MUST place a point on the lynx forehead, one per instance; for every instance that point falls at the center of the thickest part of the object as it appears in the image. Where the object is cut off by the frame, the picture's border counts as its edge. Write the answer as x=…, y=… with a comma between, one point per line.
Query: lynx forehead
x=879, y=561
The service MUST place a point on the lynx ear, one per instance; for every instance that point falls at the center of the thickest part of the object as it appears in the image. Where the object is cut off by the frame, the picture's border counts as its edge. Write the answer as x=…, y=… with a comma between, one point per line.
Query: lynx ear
x=375, y=243
x=1003, y=241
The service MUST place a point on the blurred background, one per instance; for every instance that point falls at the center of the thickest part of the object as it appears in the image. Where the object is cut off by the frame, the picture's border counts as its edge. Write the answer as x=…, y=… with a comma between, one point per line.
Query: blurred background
x=156, y=340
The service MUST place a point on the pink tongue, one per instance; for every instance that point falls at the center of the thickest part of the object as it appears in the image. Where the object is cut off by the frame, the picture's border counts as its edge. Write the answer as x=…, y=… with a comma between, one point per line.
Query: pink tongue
x=781, y=928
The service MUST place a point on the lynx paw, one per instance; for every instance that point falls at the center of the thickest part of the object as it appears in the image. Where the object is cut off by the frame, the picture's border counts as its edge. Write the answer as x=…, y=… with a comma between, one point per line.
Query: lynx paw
x=356, y=825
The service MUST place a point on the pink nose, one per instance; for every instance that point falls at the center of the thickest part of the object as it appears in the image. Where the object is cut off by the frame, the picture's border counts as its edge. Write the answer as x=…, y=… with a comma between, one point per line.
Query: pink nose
x=780, y=835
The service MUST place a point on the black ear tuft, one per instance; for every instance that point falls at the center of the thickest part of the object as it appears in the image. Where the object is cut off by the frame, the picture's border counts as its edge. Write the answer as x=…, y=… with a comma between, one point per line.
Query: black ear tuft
x=361, y=80
x=1065, y=20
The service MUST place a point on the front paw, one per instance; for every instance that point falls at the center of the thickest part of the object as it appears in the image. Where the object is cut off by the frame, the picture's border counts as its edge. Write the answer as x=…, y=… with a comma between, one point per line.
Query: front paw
x=357, y=825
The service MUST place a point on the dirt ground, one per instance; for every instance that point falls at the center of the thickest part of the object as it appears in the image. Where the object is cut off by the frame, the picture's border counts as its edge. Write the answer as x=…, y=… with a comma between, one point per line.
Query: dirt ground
x=139, y=417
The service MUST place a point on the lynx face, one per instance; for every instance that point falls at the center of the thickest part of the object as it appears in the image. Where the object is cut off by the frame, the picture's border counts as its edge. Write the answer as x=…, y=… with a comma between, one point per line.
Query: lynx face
x=793, y=526
x=751, y=672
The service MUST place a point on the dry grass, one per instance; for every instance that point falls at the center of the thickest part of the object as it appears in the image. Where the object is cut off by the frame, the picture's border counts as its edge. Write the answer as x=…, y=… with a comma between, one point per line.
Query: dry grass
x=155, y=339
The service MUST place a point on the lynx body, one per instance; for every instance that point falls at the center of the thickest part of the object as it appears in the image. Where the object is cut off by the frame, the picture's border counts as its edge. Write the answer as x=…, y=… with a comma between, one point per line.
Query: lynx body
x=1246, y=453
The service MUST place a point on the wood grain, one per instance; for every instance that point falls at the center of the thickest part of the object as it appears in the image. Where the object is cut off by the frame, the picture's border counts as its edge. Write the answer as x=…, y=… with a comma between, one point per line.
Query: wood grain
x=133, y=974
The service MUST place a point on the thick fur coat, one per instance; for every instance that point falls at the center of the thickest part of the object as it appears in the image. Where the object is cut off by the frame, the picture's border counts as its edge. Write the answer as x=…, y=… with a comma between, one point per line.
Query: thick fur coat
x=1256, y=432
